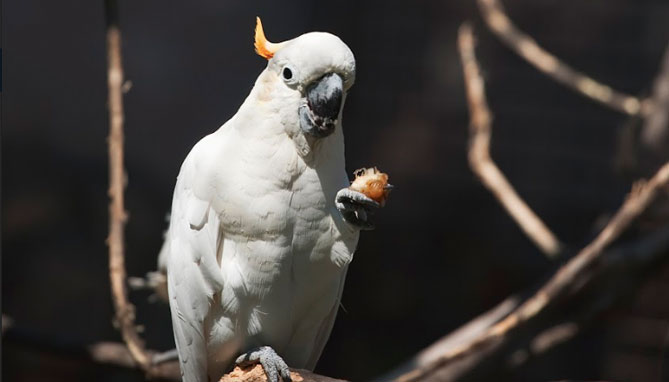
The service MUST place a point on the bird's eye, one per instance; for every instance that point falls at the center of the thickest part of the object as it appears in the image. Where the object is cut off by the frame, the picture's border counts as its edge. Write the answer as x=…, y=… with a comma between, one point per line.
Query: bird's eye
x=287, y=73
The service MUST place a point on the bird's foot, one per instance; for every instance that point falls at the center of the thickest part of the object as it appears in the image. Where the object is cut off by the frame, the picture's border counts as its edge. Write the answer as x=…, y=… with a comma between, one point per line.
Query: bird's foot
x=356, y=208
x=271, y=362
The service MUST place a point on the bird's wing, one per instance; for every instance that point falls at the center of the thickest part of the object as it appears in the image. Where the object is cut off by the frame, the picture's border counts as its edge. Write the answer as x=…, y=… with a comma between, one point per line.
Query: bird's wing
x=194, y=274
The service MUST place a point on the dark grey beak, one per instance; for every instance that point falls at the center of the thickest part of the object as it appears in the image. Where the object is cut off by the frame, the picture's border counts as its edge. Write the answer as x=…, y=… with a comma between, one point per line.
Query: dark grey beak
x=319, y=115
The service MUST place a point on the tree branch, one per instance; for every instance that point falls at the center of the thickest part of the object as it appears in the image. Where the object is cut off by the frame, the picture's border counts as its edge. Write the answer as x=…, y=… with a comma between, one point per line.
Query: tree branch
x=7, y=323
x=117, y=354
x=655, y=133
x=480, y=131
x=526, y=47
x=125, y=311
x=619, y=270
x=576, y=272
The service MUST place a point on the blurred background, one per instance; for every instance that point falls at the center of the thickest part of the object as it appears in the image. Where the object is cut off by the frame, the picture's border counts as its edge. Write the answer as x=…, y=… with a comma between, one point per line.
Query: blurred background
x=444, y=250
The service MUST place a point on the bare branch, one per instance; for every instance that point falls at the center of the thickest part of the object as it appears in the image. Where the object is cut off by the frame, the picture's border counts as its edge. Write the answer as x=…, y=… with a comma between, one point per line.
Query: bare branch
x=479, y=154
x=525, y=46
x=117, y=354
x=655, y=133
x=7, y=323
x=614, y=274
x=125, y=311
x=466, y=333
x=167, y=356
x=572, y=274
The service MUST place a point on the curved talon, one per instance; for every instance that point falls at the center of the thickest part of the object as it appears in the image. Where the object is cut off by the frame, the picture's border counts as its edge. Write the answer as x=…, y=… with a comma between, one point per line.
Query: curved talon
x=358, y=219
x=271, y=362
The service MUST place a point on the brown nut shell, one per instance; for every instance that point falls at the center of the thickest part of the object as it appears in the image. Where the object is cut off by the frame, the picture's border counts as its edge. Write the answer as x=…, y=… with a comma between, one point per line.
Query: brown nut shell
x=373, y=183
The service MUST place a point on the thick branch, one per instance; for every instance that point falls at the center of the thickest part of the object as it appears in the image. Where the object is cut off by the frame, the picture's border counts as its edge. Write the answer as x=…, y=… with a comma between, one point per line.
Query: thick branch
x=615, y=274
x=479, y=154
x=527, y=48
x=575, y=272
x=618, y=271
x=466, y=333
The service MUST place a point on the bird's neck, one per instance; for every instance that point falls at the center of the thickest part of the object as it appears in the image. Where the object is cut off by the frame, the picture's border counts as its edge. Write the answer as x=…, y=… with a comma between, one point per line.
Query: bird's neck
x=265, y=118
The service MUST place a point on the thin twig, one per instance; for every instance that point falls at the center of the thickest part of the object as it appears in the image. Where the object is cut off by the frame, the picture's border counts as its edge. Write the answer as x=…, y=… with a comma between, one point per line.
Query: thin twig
x=166, y=356
x=526, y=47
x=7, y=323
x=105, y=353
x=125, y=311
x=483, y=165
x=564, y=279
x=655, y=133
x=117, y=354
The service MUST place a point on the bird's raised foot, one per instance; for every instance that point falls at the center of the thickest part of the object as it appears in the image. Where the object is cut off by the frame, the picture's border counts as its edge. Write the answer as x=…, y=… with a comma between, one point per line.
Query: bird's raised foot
x=356, y=208
x=271, y=362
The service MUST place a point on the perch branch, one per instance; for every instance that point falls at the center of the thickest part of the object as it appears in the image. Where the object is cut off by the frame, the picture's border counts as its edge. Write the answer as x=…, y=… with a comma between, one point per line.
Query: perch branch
x=566, y=277
x=482, y=164
x=125, y=311
x=255, y=373
x=526, y=47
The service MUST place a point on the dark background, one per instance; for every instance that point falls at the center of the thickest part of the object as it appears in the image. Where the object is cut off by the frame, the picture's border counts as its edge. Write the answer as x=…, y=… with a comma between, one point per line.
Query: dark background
x=443, y=250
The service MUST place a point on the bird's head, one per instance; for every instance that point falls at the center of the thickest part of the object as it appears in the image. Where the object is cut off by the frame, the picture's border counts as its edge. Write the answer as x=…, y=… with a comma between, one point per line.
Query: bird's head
x=310, y=75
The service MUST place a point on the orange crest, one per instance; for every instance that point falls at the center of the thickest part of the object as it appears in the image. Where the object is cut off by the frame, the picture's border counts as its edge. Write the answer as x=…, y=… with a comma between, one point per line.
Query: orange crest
x=263, y=47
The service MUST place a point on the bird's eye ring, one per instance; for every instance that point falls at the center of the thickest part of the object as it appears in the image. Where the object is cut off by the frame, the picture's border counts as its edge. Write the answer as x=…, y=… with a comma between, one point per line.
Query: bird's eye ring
x=287, y=73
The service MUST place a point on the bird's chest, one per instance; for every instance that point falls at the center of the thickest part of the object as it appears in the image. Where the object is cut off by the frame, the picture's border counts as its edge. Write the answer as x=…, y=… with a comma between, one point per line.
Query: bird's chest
x=283, y=250
x=274, y=199
x=279, y=236
x=276, y=214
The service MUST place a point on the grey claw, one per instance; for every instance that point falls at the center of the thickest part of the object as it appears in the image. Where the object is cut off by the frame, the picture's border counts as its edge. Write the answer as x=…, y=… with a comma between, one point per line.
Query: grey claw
x=348, y=195
x=271, y=362
x=355, y=208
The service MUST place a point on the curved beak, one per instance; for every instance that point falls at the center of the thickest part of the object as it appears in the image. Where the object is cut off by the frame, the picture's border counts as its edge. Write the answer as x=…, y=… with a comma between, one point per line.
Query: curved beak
x=319, y=115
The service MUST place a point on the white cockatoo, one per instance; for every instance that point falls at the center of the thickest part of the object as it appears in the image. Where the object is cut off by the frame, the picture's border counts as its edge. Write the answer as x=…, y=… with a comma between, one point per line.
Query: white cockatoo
x=263, y=226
